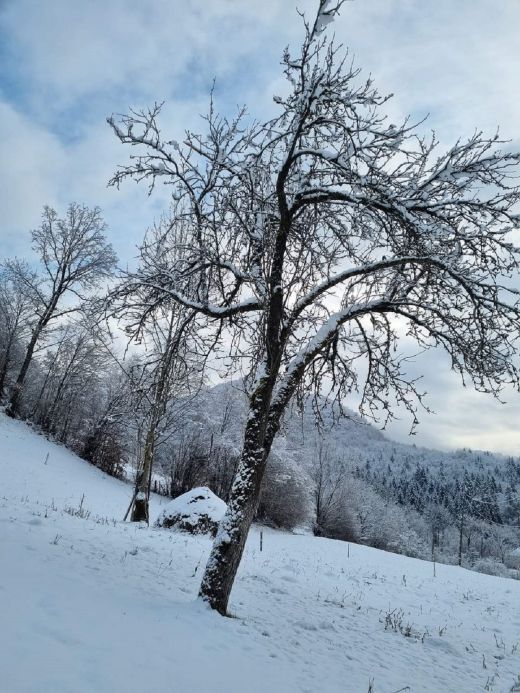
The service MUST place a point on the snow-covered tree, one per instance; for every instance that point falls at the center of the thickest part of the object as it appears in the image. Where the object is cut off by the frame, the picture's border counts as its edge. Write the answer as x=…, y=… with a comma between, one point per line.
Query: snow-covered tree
x=75, y=257
x=328, y=474
x=71, y=372
x=320, y=237
x=167, y=366
x=16, y=315
x=437, y=518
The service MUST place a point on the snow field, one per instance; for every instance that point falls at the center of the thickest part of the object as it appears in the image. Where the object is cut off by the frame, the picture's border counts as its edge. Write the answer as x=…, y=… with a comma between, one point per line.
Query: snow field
x=89, y=603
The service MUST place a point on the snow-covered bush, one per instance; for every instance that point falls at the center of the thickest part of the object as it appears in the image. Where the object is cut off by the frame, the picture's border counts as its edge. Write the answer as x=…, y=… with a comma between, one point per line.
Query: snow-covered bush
x=491, y=566
x=198, y=512
x=343, y=524
x=410, y=543
x=284, y=501
x=513, y=559
x=102, y=449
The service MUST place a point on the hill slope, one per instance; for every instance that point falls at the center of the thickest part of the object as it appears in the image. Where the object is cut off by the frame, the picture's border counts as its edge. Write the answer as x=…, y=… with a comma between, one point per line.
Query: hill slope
x=220, y=412
x=91, y=604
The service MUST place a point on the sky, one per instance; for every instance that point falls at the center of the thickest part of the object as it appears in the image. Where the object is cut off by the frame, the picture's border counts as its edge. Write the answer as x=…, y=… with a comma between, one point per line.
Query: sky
x=65, y=65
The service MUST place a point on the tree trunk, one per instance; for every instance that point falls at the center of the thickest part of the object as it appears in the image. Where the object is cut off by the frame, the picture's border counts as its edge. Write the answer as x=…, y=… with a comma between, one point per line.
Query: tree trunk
x=43, y=388
x=140, y=507
x=3, y=374
x=233, y=530
x=461, y=529
x=6, y=362
x=232, y=533
x=13, y=408
x=49, y=422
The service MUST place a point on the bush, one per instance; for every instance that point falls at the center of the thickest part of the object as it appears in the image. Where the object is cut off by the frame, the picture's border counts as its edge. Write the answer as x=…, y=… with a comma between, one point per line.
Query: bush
x=283, y=500
x=491, y=566
x=340, y=524
x=103, y=450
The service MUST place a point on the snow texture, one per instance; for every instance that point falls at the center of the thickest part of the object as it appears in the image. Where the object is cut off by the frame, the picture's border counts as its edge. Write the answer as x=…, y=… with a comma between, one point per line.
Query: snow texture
x=198, y=511
x=91, y=604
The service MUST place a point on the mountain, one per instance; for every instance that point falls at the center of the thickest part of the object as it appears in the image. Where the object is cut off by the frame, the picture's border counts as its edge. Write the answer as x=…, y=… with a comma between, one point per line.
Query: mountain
x=219, y=413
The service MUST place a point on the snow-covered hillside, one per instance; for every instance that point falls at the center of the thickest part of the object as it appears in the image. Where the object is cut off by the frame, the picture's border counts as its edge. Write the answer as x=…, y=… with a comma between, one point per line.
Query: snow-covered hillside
x=463, y=506
x=219, y=412
x=92, y=604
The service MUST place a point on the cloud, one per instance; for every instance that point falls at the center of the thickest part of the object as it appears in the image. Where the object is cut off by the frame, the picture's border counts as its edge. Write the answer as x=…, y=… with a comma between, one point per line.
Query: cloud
x=461, y=416
x=40, y=169
x=31, y=158
x=68, y=55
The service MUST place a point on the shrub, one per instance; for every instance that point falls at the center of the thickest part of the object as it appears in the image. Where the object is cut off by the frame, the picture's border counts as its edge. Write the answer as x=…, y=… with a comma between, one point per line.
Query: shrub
x=284, y=500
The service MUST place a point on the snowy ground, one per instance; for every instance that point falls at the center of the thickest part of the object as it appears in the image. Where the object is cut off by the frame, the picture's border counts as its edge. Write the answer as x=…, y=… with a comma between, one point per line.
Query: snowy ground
x=89, y=604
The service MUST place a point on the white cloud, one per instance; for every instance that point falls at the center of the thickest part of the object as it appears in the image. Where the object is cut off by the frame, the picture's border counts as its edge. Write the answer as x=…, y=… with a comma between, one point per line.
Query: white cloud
x=462, y=417
x=39, y=169
x=31, y=159
x=72, y=50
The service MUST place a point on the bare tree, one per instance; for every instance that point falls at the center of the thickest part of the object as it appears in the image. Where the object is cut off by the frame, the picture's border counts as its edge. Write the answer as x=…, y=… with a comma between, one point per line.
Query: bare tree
x=16, y=314
x=111, y=430
x=438, y=519
x=75, y=257
x=284, y=499
x=329, y=478
x=74, y=368
x=317, y=239
x=167, y=366
x=167, y=375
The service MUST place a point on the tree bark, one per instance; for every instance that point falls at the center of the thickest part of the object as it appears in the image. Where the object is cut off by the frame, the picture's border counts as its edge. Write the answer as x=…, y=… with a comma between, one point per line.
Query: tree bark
x=231, y=537
x=233, y=530
x=13, y=408
x=140, y=507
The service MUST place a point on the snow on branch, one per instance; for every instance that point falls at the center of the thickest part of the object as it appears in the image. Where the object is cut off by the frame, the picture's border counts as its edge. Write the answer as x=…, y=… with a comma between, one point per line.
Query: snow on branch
x=326, y=208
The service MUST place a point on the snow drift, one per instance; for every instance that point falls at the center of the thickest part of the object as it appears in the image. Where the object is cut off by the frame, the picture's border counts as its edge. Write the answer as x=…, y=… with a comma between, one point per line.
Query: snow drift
x=198, y=512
